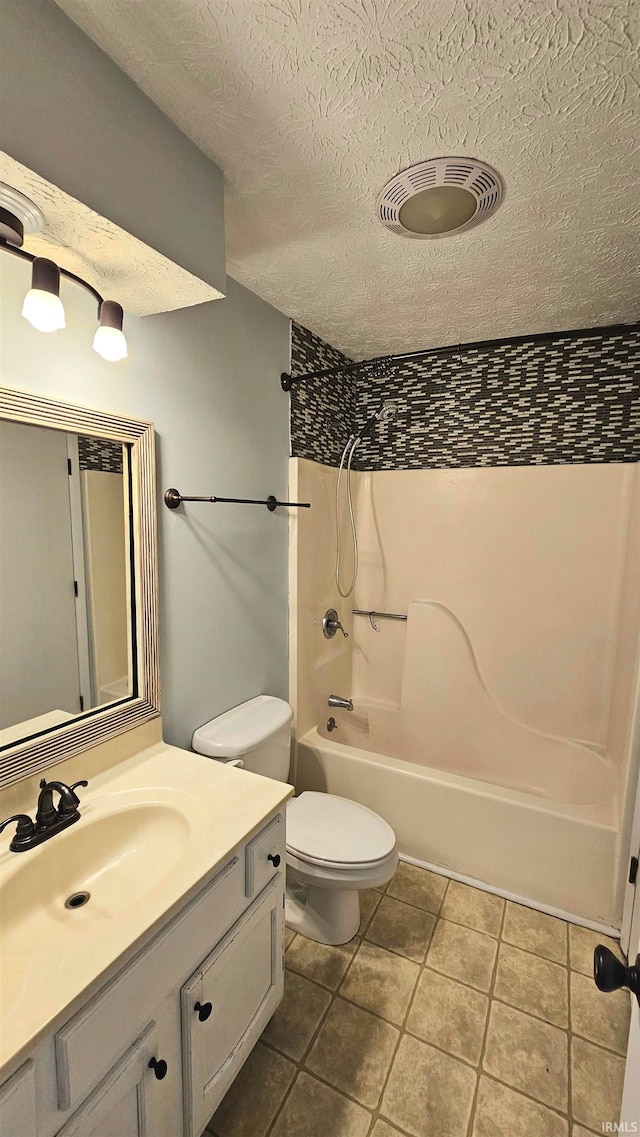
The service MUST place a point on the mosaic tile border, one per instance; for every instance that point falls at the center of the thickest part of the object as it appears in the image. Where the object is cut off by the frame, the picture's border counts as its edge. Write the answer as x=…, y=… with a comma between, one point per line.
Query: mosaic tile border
x=564, y=400
x=99, y=454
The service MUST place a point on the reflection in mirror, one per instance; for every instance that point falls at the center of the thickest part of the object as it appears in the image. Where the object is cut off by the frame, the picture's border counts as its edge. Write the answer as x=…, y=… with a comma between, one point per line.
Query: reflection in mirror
x=65, y=580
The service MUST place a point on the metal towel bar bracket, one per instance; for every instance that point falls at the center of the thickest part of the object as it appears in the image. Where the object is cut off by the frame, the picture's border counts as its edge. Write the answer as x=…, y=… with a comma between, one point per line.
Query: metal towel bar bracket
x=372, y=616
x=173, y=498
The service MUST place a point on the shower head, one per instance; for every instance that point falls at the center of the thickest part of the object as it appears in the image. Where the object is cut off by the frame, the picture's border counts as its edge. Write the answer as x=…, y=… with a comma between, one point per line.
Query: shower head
x=385, y=413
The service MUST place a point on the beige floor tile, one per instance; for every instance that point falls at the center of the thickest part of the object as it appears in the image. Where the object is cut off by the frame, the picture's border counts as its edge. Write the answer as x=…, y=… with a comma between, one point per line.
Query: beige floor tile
x=353, y=1052
x=463, y=954
x=582, y=943
x=602, y=1018
x=402, y=928
x=578, y=1131
x=473, y=908
x=596, y=1084
x=381, y=982
x=532, y=984
x=296, y=1019
x=527, y=1054
x=383, y=1129
x=320, y=962
x=289, y=937
x=314, y=1110
x=255, y=1097
x=418, y=886
x=501, y=1112
x=536, y=932
x=449, y=1015
x=369, y=900
x=428, y=1093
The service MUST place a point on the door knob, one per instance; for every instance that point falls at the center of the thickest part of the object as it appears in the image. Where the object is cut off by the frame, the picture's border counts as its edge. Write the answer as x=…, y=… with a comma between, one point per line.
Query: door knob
x=611, y=974
x=275, y=860
x=204, y=1010
x=159, y=1067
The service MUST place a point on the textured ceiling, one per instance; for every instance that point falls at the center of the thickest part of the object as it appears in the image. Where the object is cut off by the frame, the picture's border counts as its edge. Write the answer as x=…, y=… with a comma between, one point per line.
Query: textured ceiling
x=120, y=266
x=309, y=106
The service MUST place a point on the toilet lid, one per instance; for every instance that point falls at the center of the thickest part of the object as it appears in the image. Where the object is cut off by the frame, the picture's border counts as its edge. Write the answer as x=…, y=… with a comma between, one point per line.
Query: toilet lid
x=337, y=830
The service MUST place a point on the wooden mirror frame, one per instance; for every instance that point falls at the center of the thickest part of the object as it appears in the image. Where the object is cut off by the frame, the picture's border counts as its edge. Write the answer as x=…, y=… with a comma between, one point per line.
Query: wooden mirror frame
x=28, y=756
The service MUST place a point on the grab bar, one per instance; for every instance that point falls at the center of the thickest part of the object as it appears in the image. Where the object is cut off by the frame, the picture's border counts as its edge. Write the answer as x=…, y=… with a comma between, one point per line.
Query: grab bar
x=373, y=615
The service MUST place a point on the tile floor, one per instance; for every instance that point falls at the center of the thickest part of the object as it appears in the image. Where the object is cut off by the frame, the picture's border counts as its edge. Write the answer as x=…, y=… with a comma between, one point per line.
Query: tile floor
x=450, y=1014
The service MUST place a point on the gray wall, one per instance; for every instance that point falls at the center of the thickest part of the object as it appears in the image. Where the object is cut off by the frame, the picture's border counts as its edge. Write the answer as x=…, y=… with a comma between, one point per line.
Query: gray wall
x=69, y=113
x=208, y=378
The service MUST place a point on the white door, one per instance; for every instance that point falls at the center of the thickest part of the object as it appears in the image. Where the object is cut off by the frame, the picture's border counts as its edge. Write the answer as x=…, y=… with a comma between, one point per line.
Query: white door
x=39, y=662
x=630, y=940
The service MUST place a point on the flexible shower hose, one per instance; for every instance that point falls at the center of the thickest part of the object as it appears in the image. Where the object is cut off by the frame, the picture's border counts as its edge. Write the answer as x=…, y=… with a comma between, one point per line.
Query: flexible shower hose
x=351, y=447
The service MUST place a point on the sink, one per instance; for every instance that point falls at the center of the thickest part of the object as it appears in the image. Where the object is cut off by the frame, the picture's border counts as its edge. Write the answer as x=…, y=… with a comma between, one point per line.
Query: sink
x=117, y=858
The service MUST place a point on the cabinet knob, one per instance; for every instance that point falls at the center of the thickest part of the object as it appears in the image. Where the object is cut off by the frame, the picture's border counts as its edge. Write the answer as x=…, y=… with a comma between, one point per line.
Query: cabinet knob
x=275, y=860
x=204, y=1010
x=159, y=1067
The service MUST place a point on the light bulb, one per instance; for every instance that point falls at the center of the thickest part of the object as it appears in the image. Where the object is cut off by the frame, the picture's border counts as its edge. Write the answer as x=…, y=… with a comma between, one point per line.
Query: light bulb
x=109, y=340
x=42, y=305
x=43, y=310
x=110, y=343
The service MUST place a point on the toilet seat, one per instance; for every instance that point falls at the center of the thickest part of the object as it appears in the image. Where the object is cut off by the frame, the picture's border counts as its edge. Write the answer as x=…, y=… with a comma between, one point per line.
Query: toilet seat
x=336, y=833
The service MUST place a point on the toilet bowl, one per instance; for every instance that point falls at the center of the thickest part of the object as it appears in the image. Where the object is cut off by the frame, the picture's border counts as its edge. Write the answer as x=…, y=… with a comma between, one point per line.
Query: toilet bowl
x=335, y=847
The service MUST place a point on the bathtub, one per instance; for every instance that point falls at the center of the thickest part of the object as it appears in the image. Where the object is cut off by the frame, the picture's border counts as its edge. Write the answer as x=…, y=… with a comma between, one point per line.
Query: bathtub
x=552, y=852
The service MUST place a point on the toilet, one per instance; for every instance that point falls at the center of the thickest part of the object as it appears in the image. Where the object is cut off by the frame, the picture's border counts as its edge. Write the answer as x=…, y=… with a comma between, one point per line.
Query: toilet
x=335, y=847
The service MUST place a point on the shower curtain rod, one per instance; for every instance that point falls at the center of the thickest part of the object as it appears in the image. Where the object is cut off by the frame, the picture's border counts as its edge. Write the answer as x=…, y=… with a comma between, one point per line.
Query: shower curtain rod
x=288, y=381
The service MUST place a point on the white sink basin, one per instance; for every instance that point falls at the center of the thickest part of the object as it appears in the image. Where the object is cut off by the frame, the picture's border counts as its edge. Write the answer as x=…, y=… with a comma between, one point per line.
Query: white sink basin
x=118, y=858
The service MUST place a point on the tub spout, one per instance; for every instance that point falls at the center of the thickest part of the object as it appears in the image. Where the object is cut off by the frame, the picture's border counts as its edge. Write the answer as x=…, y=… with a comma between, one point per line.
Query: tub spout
x=338, y=701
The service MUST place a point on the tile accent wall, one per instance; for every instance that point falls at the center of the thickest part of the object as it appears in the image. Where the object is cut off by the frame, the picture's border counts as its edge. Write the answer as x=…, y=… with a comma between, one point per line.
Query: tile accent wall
x=529, y=403
x=100, y=454
x=324, y=410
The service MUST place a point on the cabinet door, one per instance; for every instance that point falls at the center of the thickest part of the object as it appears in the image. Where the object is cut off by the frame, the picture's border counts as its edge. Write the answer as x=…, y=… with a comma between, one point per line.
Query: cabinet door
x=18, y=1103
x=118, y=1107
x=227, y=1004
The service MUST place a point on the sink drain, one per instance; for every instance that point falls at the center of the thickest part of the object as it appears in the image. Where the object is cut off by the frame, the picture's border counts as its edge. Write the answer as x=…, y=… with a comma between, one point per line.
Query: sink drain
x=77, y=899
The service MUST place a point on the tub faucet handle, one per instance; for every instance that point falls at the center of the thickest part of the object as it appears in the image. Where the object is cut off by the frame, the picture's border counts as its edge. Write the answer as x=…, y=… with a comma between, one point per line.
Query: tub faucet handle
x=331, y=624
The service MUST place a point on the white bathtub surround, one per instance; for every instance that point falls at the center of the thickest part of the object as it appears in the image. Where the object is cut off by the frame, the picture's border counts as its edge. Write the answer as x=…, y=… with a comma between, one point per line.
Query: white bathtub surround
x=492, y=729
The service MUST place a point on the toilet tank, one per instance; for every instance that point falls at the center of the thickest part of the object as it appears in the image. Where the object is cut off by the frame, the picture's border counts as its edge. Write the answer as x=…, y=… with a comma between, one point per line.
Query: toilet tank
x=258, y=731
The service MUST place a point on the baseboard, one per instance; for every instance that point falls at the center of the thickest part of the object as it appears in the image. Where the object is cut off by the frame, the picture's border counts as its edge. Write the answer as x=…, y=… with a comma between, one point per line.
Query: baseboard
x=603, y=929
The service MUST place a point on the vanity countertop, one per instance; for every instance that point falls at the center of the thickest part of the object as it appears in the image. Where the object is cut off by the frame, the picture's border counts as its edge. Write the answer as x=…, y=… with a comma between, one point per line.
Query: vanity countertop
x=153, y=828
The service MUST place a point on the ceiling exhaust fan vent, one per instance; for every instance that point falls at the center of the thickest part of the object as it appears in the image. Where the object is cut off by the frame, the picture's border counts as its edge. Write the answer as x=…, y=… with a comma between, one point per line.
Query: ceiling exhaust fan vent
x=439, y=198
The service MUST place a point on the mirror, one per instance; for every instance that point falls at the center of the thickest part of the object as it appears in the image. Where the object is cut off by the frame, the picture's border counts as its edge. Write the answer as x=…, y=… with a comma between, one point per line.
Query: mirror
x=65, y=581
x=78, y=580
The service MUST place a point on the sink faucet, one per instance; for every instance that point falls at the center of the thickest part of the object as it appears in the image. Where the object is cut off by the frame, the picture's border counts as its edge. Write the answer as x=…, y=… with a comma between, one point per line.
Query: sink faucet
x=49, y=820
x=338, y=701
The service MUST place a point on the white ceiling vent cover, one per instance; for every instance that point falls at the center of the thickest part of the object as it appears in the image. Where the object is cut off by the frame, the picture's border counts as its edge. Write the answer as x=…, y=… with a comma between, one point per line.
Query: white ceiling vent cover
x=439, y=198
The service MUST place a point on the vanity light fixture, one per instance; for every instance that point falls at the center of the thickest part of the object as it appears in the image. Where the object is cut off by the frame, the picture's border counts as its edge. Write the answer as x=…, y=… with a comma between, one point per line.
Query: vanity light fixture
x=109, y=340
x=42, y=305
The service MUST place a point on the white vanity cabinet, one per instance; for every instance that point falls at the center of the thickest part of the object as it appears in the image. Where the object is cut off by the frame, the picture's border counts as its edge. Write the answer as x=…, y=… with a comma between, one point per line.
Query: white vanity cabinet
x=152, y=1052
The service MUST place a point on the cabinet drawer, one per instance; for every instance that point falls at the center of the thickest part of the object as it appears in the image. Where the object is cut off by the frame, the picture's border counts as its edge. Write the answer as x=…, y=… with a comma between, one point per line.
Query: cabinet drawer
x=265, y=856
x=89, y=1044
x=18, y=1103
x=227, y=1004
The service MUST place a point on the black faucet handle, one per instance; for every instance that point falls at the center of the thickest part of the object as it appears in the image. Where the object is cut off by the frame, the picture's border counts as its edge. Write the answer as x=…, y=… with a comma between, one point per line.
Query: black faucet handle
x=69, y=800
x=24, y=831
